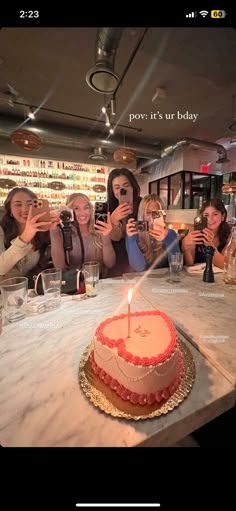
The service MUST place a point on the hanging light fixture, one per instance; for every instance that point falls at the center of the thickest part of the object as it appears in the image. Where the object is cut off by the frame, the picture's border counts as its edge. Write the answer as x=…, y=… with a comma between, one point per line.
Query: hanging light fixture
x=124, y=154
x=229, y=187
x=26, y=140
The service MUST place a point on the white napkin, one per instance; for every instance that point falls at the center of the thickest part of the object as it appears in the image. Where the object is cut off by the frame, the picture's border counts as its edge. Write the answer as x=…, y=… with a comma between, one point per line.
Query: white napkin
x=200, y=267
x=37, y=305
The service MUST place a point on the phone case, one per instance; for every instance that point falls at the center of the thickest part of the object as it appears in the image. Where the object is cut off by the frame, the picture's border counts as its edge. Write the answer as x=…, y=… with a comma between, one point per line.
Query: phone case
x=101, y=210
x=40, y=206
x=126, y=197
x=157, y=221
x=200, y=223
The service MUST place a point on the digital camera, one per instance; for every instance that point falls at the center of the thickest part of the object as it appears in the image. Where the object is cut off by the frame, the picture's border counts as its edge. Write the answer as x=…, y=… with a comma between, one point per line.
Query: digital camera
x=66, y=219
x=141, y=226
x=66, y=216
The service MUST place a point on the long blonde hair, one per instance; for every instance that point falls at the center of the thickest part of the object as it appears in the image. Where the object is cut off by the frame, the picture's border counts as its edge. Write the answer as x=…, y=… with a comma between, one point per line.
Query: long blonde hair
x=150, y=253
x=70, y=203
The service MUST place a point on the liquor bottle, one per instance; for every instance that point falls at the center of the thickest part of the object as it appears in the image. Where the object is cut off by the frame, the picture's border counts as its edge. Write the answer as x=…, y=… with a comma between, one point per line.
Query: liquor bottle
x=230, y=259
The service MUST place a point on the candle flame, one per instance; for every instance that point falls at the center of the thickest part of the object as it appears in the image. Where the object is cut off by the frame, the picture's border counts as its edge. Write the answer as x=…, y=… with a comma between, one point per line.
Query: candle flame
x=129, y=295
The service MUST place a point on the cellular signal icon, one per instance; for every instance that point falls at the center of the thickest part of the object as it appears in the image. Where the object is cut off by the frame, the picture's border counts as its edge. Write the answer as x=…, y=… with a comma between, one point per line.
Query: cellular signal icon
x=203, y=13
x=191, y=15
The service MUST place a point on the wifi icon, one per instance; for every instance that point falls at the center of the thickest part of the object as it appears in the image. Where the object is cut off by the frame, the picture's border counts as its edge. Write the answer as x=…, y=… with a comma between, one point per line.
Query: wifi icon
x=203, y=13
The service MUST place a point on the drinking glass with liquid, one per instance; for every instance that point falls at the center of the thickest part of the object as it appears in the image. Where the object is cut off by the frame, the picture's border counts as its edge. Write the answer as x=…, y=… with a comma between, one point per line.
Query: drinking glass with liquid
x=14, y=297
x=51, y=280
x=176, y=266
x=91, y=275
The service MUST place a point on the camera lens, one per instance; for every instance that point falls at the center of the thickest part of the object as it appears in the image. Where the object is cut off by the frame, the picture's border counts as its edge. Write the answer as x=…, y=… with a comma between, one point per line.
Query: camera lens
x=65, y=216
x=123, y=191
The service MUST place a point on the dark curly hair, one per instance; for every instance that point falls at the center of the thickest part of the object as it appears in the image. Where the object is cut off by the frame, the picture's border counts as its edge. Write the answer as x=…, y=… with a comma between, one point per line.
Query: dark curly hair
x=224, y=228
x=10, y=228
x=111, y=199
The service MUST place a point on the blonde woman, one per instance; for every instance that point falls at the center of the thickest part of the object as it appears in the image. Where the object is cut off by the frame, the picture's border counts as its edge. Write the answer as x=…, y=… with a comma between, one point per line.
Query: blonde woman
x=91, y=242
x=150, y=242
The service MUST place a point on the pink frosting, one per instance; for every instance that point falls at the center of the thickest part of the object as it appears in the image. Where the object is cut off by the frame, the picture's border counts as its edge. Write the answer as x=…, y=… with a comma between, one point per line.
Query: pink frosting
x=133, y=397
x=120, y=343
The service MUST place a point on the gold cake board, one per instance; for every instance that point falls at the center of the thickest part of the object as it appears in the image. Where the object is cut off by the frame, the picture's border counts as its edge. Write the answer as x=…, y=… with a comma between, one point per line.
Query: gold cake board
x=106, y=399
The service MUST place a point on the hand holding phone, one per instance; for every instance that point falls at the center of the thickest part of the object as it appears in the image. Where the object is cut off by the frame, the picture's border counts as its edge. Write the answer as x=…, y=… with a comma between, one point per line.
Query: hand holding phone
x=157, y=219
x=34, y=224
x=126, y=197
x=41, y=206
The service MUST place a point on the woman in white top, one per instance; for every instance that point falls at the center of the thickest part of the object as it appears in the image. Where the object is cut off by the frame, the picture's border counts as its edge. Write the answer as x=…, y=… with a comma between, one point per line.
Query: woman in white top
x=91, y=242
x=23, y=240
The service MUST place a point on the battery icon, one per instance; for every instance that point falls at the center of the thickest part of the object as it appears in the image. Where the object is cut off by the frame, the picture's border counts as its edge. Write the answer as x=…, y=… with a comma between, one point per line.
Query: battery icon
x=218, y=14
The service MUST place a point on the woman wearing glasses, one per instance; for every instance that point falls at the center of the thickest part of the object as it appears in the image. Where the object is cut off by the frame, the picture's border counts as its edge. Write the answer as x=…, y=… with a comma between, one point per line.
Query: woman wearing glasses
x=148, y=241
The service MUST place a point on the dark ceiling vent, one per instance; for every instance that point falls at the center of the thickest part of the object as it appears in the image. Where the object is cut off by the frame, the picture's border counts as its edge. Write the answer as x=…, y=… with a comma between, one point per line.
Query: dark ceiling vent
x=208, y=146
x=102, y=77
x=232, y=126
x=97, y=155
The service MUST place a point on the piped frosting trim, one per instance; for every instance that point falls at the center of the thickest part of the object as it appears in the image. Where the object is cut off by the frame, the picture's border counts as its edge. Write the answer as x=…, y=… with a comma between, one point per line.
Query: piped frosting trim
x=133, y=397
x=120, y=343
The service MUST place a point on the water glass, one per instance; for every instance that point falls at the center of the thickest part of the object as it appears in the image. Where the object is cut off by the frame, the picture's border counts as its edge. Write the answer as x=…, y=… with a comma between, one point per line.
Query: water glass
x=176, y=266
x=51, y=281
x=91, y=275
x=14, y=297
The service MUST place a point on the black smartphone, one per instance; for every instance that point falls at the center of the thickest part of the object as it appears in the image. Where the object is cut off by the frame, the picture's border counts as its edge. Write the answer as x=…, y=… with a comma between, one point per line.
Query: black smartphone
x=200, y=223
x=101, y=210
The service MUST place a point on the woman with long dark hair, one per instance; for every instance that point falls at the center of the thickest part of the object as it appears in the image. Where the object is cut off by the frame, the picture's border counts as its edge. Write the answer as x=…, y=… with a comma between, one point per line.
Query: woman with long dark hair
x=24, y=239
x=216, y=234
x=121, y=179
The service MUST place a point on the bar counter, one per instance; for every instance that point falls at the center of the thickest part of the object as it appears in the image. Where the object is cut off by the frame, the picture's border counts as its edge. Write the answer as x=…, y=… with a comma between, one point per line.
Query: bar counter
x=42, y=404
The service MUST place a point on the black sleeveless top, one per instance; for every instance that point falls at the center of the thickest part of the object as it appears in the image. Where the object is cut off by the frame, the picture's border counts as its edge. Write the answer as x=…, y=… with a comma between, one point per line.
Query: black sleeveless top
x=200, y=252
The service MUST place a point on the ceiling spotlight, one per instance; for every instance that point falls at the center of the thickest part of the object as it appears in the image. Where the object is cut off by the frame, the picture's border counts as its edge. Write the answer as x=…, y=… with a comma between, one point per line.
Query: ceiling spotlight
x=31, y=114
x=159, y=95
x=113, y=106
x=10, y=102
x=107, y=120
x=111, y=131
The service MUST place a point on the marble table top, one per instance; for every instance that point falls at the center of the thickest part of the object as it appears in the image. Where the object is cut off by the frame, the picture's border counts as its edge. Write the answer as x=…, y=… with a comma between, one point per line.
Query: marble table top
x=204, y=313
x=42, y=404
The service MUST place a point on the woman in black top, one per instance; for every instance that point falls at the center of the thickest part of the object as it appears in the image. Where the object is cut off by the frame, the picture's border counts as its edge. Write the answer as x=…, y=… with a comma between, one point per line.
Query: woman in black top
x=216, y=234
x=120, y=213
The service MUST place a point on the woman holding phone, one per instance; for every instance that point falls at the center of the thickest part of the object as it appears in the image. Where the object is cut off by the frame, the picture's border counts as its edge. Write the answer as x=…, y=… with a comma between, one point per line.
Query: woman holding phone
x=148, y=241
x=123, y=197
x=90, y=241
x=24, y=238
x=215, y=234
